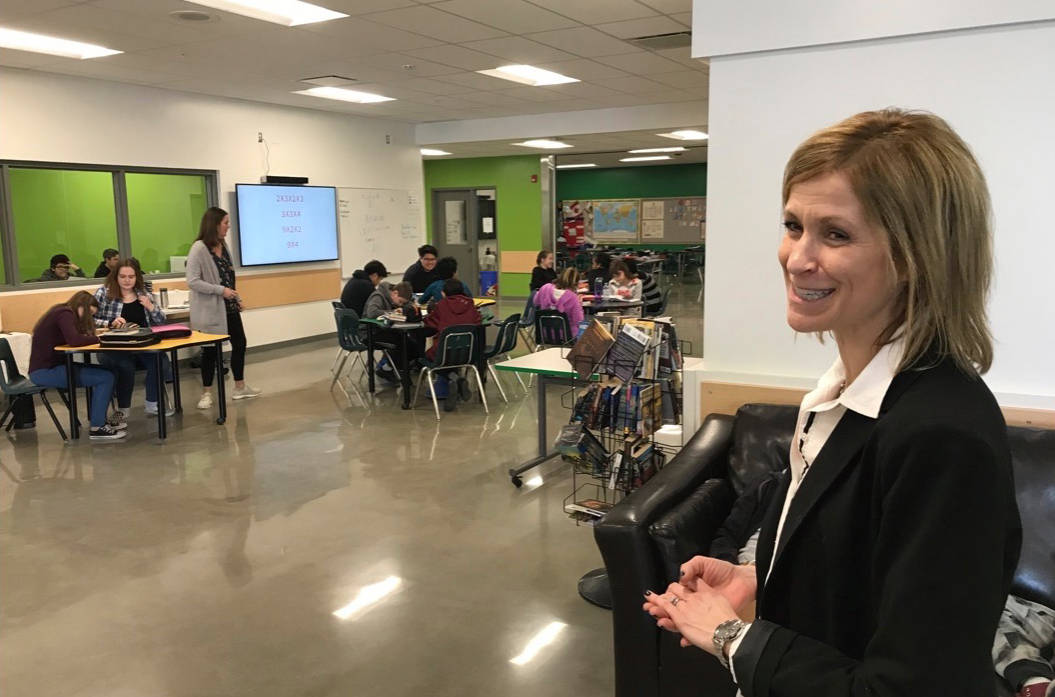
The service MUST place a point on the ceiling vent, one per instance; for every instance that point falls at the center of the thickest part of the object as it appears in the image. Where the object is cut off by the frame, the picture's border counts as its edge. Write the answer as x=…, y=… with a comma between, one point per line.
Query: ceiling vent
x=658, y=42
x=191, y=16
x=330, y=81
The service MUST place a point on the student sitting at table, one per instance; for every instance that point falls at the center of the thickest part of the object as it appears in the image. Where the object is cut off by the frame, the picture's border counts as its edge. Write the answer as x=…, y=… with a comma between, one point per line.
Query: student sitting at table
x=561, y=295
x=624, y=285
x=446, y=269
x=456, y=307
x=362, y=283
x=650, y=293
x=61, y=269
x=125, y=300
x=543, y=272
x=598, y=272
x=71, y=324
x=389, y=298
x=110, y=259
x=423, y=271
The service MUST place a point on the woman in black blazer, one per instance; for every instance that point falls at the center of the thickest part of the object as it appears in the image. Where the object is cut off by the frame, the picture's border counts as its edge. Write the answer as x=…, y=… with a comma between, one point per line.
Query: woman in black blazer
x=888, y=552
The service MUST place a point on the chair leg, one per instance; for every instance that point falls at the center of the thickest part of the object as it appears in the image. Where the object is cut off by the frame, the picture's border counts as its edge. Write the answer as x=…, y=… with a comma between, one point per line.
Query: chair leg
x=432, y=391
x=417, y=390
x=395, y=369
x=337, y=375
x=336, y=358
x=480, y=385
x=10, y=408
x=54, y=419
x=494, y=376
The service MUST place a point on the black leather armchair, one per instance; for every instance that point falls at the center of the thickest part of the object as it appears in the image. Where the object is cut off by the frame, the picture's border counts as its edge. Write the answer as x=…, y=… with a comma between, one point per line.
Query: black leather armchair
x=648, y=535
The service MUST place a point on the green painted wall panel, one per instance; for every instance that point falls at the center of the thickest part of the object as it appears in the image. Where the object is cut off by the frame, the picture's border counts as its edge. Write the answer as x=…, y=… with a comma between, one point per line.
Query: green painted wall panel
x=62, y=211
x=632, y=182
x=518, y=202
x=164, y=213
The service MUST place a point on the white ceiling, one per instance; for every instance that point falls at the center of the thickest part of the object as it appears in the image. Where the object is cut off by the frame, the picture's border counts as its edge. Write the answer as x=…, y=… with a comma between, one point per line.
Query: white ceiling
x=602, y=149
x=445, y=41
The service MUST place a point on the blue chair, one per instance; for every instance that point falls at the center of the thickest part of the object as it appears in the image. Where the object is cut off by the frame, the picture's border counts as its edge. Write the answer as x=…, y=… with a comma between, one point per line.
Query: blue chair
x=505, y=341
x=16, y=388
x=352, y=343
x=527, y=320
x=459, y=346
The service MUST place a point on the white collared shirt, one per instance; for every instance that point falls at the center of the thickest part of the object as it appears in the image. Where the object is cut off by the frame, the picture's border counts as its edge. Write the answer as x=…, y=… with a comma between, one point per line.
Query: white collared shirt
x=864, y=395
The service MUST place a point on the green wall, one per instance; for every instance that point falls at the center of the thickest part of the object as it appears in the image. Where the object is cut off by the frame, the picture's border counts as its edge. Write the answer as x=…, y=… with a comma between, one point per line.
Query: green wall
x=632, y=182
x=62, y=211
x=518, y=202
x=164, y=213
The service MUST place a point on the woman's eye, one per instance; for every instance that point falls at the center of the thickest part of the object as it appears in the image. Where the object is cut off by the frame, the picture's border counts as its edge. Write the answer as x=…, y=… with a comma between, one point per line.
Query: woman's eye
x=837, y=235
x=794, y=229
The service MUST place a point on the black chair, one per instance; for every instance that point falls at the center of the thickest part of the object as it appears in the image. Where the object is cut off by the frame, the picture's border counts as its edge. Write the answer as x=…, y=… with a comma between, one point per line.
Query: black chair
x=337, y=305
x=459, y=346
x=662, y=305
x=16, y=388
x=505, y=341
x=552, y=329
x=351, y=342
x=527, y=320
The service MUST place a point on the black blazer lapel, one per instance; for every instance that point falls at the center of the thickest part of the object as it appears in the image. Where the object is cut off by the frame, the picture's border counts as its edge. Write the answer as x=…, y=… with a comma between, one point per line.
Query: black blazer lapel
x=838, y=452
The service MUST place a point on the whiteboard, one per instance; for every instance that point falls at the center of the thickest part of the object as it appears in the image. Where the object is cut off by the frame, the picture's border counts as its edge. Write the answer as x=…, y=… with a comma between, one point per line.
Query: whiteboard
x=382, y=224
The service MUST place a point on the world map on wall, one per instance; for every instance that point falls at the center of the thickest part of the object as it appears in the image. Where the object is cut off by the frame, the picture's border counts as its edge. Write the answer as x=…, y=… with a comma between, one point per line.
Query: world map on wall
x=616, y=218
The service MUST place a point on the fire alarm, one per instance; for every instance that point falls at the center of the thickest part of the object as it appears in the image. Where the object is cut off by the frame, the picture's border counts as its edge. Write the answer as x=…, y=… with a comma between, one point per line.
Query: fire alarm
x=534, y=179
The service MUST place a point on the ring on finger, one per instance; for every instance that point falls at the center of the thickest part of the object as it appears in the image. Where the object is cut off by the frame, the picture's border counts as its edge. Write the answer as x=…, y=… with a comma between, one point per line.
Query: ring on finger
x=674, y=600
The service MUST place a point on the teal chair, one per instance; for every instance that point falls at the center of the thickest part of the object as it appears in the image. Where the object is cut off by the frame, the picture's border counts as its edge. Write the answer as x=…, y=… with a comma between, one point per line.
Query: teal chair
x=16, y=388
x=459, y=346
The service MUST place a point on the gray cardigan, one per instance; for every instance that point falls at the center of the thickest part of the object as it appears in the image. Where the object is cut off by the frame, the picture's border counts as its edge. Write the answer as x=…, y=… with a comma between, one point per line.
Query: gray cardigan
x=208, y=312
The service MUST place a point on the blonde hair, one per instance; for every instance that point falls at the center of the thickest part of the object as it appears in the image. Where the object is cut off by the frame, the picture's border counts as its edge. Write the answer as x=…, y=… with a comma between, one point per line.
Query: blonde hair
x=917, y=180
x=569, y=278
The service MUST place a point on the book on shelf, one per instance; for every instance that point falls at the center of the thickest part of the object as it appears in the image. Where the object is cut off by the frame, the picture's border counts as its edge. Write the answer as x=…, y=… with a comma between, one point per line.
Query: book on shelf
x=590, y=349
x=592, y=507
x=577, y=445
x=625, y=354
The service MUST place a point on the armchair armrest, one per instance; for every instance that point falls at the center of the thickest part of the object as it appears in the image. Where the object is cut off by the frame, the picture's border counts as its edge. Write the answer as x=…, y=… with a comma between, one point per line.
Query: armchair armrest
x=631, y=557
x=687, y=529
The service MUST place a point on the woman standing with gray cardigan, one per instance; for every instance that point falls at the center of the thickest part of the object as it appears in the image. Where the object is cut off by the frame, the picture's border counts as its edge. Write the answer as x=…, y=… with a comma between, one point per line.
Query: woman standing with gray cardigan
x=215, y=306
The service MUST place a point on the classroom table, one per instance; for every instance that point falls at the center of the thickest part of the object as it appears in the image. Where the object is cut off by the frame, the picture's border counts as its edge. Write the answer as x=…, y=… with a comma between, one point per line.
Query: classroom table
x=170, y=346
x=606, y=304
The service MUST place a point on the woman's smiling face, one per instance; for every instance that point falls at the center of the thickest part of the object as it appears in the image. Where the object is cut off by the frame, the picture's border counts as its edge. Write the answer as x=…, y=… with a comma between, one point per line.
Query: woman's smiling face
x=837, y=269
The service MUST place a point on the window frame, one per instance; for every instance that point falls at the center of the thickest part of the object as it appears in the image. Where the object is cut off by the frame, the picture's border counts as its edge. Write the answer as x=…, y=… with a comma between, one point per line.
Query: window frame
x=11, y=278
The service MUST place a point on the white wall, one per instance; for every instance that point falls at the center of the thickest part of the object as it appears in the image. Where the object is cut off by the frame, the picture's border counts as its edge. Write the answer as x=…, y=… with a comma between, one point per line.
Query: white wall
x=65, y=119
x=995, y=88
x=727, y=28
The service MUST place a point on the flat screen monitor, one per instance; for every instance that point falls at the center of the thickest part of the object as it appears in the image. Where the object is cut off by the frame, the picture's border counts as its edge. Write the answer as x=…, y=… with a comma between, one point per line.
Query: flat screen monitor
x=286, y=224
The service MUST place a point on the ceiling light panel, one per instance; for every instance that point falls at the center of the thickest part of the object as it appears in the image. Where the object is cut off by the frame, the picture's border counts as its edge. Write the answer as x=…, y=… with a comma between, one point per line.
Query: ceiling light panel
x=343, y=95
x=433, y=153
x=578, y=166
x=528, y=75
x=676, y=148
x=290, y=13
x=647, y=158
x=51, y=45
x=685, y=134
x=543, y=144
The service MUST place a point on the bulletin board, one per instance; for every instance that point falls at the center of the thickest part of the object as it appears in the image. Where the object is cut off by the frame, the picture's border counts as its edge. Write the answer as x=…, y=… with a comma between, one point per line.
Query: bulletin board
x=674, y=220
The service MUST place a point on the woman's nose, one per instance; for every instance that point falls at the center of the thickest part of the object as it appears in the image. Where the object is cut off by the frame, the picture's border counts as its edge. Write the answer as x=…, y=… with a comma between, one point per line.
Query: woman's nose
x=802, y=257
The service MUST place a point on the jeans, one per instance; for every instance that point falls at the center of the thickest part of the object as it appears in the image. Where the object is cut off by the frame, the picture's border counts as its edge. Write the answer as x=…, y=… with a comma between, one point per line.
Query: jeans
x=125, y=365
x=100, y=380
x=208, y=353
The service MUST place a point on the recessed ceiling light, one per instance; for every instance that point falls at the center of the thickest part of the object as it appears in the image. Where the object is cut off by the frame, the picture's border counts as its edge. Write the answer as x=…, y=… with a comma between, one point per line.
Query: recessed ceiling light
x=585, y=164
x=343, y=95
x=676, y=148
x=648, y=158
x=528, y=75
x=433, y=153
x=39, y=43
x=544, y=144
x=685, y=135
x=290, y=13
x=191, y=16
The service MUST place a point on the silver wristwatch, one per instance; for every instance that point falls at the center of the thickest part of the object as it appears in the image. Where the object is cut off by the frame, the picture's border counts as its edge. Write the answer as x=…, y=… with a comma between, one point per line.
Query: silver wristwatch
x=723, y=634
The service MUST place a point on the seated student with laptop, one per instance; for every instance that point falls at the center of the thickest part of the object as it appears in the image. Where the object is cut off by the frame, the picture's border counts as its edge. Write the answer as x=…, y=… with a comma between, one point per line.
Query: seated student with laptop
x=423, y=271
x=124, y=301
x=456, y=307
x=446, y=269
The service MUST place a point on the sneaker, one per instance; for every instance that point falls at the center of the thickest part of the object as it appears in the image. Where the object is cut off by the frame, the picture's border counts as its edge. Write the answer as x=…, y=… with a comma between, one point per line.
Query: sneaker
x=106, y=432
x=151, y=409
x=463, y=389
x=388, y=376
x=451, y=403
x=206, y=401
x=244, y=392
x=117, y=420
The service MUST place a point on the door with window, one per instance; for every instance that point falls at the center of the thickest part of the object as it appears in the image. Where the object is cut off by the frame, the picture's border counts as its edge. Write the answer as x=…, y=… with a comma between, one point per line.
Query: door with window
x=455, y=224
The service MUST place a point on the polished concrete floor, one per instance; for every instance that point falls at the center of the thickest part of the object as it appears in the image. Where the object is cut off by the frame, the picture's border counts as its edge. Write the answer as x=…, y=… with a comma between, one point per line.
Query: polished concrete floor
x=310, y=546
